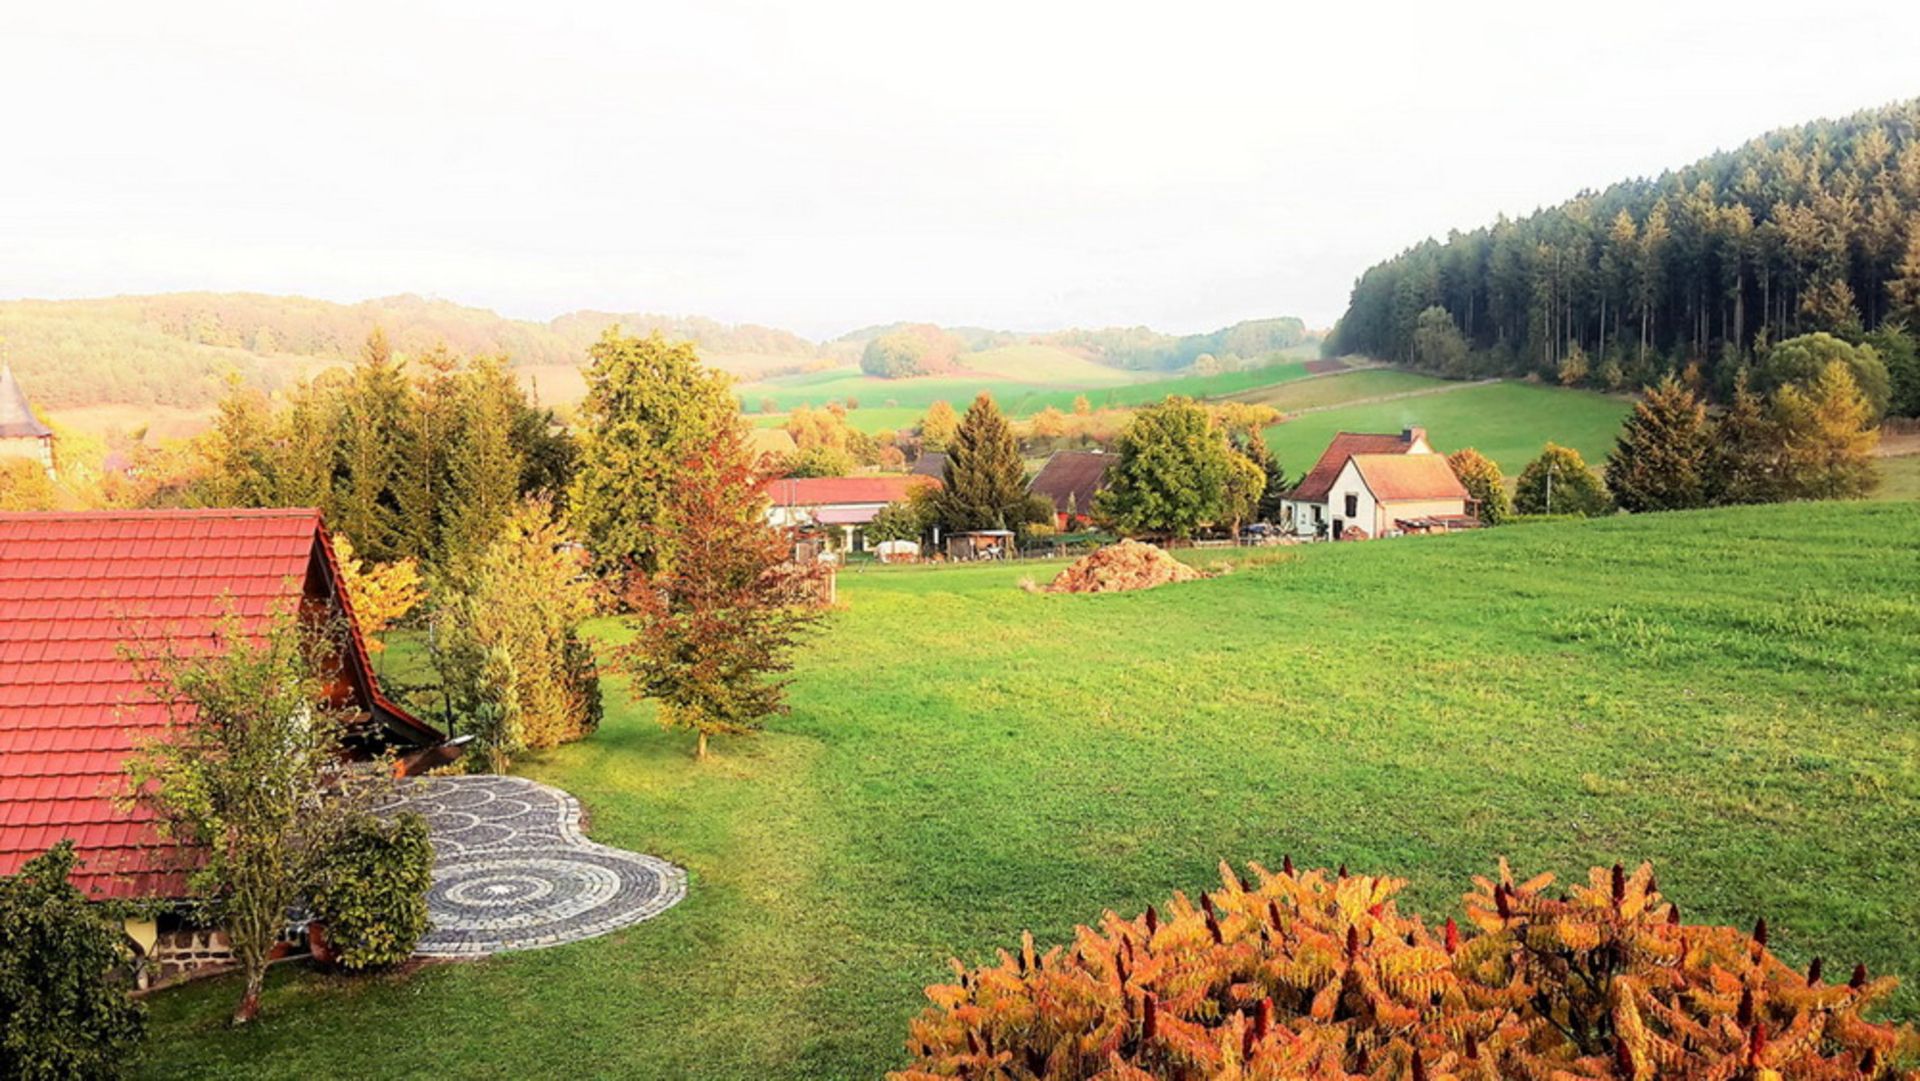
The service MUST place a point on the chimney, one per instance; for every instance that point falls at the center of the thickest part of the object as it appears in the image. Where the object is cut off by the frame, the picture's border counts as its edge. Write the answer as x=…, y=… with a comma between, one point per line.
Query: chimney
x=1410, y=436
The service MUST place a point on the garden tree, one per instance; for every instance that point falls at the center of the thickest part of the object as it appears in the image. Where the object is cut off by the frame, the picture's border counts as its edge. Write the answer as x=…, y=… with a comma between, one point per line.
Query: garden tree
x=1801, y=360
x=249, y=778
x=937, y=428
x=904, y=520
x=1171, y=473
x=486, y=465
x=1081, y=406
x=1824, y=433
x=506, y=641
x=1273, y=480
x=1438, y=345
x=1315, y=974
x=985, y=480
x=1660, y=461
x=369, y=894
x=64, y=1010
x=1897, y=348
x=1048, y=424
x=1240, y=496
x=1559, y=482
x=24, y=485
x=827, y=446
x=369, y=445
x=820, y=462
x=649, y=402
x=381, y=593
x=422, y=481
x=714, y=627
x=1482, y=480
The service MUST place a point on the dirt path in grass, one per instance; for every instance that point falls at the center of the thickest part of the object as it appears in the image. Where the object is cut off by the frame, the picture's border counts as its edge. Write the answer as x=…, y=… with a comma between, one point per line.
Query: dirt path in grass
x=1421, y=393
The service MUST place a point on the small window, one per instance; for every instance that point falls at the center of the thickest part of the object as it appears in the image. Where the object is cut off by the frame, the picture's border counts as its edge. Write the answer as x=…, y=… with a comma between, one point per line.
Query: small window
x=1353, y=505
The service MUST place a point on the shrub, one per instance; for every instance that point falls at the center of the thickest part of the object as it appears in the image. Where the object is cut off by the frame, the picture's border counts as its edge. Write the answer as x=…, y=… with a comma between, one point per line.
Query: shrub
x=1482, y=480
x=64, y=1010
x=372, y=891
x=1559, y=482
x=1318, y=975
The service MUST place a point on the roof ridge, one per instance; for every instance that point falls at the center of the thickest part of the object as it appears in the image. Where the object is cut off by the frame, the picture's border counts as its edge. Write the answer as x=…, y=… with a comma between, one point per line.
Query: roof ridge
x=183, y=512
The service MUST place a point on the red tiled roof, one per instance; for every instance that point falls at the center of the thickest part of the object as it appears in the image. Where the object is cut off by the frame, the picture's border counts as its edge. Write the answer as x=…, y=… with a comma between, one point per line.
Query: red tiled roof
x=1319, y=480
x=73, y=588
x=825, y=491
x=1397, y=478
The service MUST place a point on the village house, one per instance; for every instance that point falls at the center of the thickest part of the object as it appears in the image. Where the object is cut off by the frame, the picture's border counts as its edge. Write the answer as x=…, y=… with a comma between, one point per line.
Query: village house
x=78, y=591
x=1070, y=479
x=1378, y=485
x=842, y=505
x=21, y=433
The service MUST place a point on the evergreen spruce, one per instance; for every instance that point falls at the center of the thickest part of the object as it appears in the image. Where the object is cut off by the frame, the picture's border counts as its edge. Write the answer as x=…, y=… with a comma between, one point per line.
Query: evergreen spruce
x=985, y=482
x=1660, y=461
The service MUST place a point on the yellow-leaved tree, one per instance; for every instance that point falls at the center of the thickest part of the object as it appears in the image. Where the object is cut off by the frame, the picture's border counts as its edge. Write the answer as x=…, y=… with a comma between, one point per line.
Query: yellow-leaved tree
x=381, y=593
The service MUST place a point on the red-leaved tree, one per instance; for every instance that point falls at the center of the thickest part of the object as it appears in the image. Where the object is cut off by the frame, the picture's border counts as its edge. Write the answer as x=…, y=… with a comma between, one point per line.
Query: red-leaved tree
x=714, y=627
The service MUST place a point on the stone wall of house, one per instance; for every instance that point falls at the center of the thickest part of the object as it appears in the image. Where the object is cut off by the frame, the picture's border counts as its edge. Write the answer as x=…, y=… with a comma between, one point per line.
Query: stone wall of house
x=186, y=953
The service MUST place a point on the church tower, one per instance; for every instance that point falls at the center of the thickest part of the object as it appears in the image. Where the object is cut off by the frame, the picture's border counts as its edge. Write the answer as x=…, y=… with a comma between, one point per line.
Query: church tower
x=21, y=433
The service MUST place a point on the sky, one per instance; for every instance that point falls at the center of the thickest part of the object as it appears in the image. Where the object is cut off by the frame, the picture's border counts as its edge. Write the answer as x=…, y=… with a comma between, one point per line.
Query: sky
x=821, y=166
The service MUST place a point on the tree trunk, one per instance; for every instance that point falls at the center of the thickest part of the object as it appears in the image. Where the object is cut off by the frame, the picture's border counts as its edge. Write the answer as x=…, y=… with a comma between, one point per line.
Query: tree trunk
x=700, y=748
x=249, y=1007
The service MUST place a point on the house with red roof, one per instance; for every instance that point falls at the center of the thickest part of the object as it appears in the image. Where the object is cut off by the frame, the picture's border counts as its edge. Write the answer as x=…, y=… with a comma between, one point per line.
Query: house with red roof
x=843, y=505
x=1378, y=485
x=1070, y=480
x=78, y=593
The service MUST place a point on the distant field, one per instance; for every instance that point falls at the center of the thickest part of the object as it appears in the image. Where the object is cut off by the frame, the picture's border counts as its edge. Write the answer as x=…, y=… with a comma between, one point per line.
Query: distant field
x=863, y=419
x=1344, y=387
x=1899, y=478
x=159, y=421
x=1508, y=422
x=1044, y=364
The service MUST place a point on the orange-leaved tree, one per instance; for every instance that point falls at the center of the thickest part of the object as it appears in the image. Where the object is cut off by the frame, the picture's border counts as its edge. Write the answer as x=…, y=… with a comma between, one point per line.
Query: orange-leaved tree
x=1320, y=975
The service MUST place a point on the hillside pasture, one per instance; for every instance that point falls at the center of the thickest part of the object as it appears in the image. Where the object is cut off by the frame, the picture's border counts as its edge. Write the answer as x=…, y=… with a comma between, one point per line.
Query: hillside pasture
x=1508, y=422
x=1341, y=388
x=1730, y=694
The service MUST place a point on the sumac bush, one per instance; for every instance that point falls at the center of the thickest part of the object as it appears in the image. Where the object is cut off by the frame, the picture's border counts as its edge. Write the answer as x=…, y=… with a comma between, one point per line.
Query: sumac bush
x=372, y=891
x=1319, y=975
x=64, y=1010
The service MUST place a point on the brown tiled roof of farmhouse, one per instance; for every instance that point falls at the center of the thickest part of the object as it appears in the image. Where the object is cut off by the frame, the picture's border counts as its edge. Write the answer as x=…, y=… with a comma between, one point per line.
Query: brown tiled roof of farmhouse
x=1070, y=478
x=1319, y=480
x=1396, y=478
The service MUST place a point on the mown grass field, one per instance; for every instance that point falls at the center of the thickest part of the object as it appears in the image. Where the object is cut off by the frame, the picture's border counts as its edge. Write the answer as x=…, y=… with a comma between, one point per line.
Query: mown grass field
x=1508, y=422
x=1342, y=388
x=1732, y=694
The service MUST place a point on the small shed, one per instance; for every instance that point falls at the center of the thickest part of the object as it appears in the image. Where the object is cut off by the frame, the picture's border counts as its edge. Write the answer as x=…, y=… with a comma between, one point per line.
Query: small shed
x=980, y=544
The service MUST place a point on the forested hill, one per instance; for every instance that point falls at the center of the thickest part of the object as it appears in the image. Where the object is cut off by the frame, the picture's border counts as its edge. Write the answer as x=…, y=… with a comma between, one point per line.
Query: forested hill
x=177, y=349
x=1811, y=228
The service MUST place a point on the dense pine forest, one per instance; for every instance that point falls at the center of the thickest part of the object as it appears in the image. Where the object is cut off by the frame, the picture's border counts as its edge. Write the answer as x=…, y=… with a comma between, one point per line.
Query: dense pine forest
x=1814, y=228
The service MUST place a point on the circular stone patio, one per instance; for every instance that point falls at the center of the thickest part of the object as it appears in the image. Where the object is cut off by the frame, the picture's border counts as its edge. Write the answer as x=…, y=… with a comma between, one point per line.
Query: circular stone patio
x=511, y=870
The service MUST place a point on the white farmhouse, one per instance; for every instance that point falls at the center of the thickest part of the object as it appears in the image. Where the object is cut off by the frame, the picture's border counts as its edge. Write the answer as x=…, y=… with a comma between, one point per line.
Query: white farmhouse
x=1378, y=485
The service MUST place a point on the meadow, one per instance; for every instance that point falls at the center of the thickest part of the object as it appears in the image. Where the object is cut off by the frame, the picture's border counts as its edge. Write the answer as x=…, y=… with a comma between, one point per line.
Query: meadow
x=1508, y=422
x=1732, y=694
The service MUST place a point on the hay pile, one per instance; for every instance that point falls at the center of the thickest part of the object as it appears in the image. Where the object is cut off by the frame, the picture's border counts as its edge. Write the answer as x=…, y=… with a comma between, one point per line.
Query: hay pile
x=1123, y=566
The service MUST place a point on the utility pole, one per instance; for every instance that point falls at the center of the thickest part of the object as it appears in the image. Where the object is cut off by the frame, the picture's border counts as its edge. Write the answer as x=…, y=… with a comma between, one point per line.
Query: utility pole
x=1551, y=466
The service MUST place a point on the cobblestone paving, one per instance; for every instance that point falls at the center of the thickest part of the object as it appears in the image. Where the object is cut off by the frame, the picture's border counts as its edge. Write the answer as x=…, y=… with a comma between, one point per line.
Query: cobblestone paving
x=511, y=870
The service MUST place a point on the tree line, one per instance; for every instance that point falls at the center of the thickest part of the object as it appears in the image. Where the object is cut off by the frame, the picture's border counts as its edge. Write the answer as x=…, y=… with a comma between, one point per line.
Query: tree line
x=1814, y=228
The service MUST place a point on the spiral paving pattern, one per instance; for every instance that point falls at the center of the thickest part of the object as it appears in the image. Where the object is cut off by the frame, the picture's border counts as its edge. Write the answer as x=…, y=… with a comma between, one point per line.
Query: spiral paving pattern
x=512, y=871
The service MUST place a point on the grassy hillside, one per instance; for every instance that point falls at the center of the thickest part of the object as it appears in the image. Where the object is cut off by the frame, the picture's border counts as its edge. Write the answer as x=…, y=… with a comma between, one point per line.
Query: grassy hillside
x=1507, y=422
x=1732, y=694
x=1342, y=388
x=1044, y=364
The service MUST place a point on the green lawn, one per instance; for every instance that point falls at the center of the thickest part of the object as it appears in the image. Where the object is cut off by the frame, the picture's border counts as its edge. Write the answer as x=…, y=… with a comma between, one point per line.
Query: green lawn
x=1732, y=694
x=1330, y=390
x=1508, y=422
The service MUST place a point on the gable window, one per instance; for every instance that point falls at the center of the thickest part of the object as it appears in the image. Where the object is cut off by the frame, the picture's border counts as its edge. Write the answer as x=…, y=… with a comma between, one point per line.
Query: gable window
x=1353, y=505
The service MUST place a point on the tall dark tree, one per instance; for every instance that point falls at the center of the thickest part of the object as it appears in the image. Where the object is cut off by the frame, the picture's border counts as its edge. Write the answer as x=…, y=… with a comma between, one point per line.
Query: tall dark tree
x=985, y=482
x=1661, y=459
x=368, y=444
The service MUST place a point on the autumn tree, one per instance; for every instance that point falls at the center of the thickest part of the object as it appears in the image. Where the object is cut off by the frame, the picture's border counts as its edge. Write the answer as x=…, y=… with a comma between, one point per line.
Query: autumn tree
x=1661, y=459
x=649, y=403
x=515, y=670
x=1559, y=482
x=1171, y=472
x=24, y=485
x=937, y=428
x=714, y=628
x=1482, y=480
x=1825, y=437
x=985, y=481
x=1802, y=360
x=381, y=593
x=249, y=778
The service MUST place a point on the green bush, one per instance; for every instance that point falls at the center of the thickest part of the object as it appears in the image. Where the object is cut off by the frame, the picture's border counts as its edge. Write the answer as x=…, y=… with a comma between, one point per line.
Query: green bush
x=372, y=892
x=64, y=1010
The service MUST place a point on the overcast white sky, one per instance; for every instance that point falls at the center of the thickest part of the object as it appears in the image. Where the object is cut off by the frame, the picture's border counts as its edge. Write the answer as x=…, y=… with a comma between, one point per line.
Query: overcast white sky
x=823, y=165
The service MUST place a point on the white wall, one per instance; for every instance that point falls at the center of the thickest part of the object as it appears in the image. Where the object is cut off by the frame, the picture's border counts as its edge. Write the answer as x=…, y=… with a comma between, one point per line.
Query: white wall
x=1349, y=482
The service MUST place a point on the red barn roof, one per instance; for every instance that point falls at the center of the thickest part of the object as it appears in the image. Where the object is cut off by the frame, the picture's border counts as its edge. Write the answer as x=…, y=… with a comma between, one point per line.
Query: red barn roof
x=1313, y=487
x=825, y=491
x=73, y=589
x=1071, y=478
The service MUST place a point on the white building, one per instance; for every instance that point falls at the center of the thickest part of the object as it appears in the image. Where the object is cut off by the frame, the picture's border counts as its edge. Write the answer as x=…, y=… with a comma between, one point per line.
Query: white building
x=843, y=505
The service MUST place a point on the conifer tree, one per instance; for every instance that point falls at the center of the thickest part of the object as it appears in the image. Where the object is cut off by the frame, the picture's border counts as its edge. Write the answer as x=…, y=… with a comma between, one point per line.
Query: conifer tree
x=985, y=480
x=1482, y=480
x=421, y=476
x=486, y=466
x=1740, y=463
x=1660, y=460
x=649, y=403
x=367, y=450
x=1826, y=438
